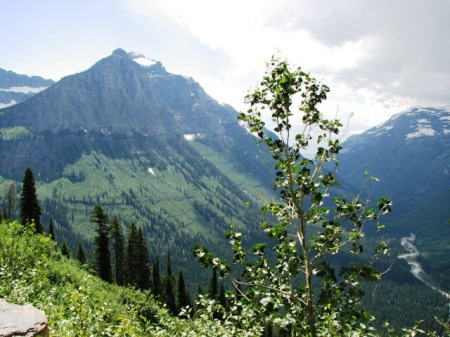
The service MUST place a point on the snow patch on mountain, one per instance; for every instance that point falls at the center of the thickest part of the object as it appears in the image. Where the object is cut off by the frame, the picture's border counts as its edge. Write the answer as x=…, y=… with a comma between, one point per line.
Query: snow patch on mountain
x=24, y=89
x=421, y=131
x=190, y=137
x=424, y=128
x=4, y=105
x=141, y=59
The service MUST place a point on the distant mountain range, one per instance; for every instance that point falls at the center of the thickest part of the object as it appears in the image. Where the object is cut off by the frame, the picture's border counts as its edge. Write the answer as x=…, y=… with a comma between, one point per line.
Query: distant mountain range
x=154, y=148
x=15, y=88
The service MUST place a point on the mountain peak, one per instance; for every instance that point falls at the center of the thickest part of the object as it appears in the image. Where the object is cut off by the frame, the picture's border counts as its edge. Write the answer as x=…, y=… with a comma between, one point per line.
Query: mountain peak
x=120, y=52
x=416, y=122
x=136, y=57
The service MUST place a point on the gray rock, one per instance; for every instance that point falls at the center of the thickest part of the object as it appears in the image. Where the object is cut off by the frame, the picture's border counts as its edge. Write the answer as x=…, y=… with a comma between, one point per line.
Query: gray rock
x=22, y=320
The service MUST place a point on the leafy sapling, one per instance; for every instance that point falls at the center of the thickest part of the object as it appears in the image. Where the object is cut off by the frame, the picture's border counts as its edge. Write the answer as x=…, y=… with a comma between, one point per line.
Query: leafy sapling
x=296, y=287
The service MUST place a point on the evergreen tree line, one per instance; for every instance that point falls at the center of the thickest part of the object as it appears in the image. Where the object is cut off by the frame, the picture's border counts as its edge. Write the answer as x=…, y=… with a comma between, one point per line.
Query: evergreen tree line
x=125, y=260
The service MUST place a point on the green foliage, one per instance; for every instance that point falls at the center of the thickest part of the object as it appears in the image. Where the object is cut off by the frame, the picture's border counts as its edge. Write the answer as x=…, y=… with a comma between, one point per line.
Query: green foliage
x=14, y=133
x=297, y=287
x=75, y=302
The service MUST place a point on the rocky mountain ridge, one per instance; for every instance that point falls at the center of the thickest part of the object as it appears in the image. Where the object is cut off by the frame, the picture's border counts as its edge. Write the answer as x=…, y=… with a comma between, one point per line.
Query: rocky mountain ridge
x=120, y=94
x=15, y=88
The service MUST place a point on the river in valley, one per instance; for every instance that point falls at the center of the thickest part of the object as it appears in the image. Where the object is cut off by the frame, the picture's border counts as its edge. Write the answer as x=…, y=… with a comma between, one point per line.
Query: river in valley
x=416, y=268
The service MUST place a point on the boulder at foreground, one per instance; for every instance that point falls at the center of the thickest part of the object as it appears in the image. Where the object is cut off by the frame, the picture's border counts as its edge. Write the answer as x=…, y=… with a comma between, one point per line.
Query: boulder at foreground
x=22, y=320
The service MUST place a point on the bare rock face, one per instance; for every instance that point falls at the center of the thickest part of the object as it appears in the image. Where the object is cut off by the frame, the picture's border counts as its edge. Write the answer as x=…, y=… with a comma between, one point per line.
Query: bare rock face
x=22, y=320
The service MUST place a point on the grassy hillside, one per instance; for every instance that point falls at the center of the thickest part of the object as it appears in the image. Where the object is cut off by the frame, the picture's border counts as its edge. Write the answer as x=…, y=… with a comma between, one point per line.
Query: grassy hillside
x=76, y=302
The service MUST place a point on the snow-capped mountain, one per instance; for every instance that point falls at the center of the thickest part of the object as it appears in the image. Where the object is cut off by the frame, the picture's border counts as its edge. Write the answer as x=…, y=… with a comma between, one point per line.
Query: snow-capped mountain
x=417, y=122
x=15, y=88
x=410, y=154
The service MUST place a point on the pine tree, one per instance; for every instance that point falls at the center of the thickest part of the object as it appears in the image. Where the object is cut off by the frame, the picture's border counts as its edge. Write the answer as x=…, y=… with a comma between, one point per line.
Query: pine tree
x=118, y=249
x=30, y=211
x=199, y=290
x=221, y=295
x=182, y=294
x=156, y=284
x=169, y=294
x=144, y=270
x=10, y=201
x=101, y=249
x=169, y=265
x=81, y=255
x=51, y=230
x=65, y=250
x=213, y=288
x=132, y=258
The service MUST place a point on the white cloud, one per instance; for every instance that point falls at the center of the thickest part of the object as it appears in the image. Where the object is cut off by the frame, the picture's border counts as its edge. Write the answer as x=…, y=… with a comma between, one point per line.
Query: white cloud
x=378, y=57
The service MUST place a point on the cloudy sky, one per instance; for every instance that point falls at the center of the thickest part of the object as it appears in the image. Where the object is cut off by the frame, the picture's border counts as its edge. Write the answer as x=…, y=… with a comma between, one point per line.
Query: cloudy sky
x=379, y=57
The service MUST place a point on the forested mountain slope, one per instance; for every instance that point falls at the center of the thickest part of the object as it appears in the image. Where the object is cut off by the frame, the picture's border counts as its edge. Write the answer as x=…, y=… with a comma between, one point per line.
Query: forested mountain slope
x=147, y=145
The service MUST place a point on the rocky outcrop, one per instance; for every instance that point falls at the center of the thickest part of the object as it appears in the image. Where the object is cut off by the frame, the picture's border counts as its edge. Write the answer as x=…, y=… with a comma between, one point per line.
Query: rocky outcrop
x=22, y=320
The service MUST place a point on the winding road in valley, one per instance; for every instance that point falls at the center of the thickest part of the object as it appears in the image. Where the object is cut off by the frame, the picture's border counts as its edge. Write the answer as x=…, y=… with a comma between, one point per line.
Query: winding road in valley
x=416, y=268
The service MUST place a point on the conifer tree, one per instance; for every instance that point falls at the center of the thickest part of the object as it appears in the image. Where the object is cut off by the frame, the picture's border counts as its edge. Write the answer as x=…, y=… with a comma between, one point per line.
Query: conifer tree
x=169, y=294
x=81, y=255
x=213, y=287
x=65, y=250
x=118, y=250
x=156, y=284
x=199, y=290
x=10, y=201
x=30, y=211
x=221, y=295
x=132, y=257
x=169, y=265
x=51, y=230
x=143, y=258
x=182, y=294
x=101, y=244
